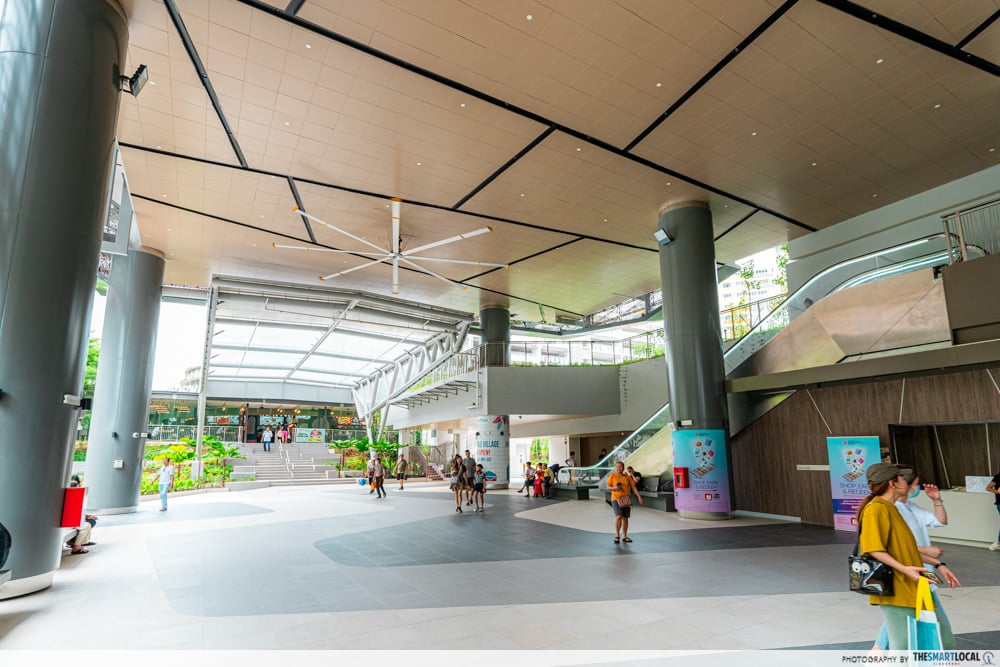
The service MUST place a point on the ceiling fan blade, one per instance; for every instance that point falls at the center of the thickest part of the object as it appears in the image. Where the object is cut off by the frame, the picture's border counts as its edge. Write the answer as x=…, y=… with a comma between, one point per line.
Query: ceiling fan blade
x=459, y=261
x=282, y=246
x=395, y=225
x=395, y=275
x=338, y=229
x=351, y=270
x=431, y=273
x=437, y=244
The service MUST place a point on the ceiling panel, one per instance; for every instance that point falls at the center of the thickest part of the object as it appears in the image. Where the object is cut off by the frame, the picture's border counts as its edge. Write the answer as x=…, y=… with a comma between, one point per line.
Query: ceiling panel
x=826, y=117
x=948, y=21
x=301, y=104
x=568, y=185
x=173, y=111
x=555, y=278
x=987, y=44
x=607, y=69
x=252, y=199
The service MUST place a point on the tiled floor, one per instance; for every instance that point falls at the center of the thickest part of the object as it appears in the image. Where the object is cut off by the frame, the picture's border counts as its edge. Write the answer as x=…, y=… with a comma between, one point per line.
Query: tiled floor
x=334, y=568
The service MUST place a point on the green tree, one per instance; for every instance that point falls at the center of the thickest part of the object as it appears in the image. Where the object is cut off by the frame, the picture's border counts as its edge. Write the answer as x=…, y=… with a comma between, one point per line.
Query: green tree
x=750, y=281
x=90, y=376
x=782, y=259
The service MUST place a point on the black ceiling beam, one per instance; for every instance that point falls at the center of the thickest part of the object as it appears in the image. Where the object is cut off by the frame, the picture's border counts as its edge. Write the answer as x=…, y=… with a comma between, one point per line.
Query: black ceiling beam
x=376, y=195
x=979, y=30
x=175, y=17
x=507, y=106
x=719, y=66
x=301, y=208
x=912, y=34
x=506, y=165
x=294, y=6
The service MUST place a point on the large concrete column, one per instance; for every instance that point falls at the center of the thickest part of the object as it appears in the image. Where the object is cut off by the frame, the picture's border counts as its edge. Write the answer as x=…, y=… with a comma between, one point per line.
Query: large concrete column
x=493, y=431
x=59, y=68
x=695, y=370
x=495, y=323
x=124, y=381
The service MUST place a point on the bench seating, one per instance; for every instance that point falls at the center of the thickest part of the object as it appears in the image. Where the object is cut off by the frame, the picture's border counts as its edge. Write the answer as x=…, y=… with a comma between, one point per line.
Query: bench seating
x=571, y=491
x=651, y=498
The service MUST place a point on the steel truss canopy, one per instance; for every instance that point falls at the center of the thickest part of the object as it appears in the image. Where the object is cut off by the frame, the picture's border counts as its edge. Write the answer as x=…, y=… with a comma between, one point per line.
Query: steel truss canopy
x=285, y=334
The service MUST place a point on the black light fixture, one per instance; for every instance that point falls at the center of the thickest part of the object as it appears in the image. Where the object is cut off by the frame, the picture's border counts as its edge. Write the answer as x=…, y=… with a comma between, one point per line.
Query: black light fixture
x=134, y=83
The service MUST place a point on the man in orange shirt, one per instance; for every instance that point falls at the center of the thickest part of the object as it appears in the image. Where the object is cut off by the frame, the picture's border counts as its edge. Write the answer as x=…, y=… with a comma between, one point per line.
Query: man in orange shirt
x=622, y=487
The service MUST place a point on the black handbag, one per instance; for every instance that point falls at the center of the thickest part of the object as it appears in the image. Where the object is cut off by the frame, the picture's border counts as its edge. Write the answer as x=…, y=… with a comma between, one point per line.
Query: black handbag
x=867, y=575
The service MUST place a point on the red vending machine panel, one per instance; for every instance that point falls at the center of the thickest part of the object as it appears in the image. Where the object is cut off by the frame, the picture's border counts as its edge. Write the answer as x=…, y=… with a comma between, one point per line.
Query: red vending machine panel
x=681, y=479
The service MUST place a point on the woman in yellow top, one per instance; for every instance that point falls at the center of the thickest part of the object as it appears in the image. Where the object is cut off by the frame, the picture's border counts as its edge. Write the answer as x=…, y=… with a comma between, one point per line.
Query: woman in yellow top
x=885, y=537
x=622, y=486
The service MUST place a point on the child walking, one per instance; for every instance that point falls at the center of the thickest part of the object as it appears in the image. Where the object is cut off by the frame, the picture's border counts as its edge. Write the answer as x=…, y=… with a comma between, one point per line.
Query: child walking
x=479, y=487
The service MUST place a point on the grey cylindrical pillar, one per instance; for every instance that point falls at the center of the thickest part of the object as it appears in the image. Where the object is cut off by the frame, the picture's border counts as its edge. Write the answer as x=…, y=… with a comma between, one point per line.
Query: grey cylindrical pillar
x=495, y=322
x=59, y=68
x=693, y=345
x=124, y=380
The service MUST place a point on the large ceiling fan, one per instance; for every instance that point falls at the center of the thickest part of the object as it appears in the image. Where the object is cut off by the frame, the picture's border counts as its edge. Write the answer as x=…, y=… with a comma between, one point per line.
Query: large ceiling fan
x=394, y=253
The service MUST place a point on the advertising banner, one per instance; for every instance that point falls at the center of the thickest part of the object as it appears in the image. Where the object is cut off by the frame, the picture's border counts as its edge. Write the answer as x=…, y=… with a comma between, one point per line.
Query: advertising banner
x=306, y=434
x=700, y=461
x=493, y=447
x=850, y=456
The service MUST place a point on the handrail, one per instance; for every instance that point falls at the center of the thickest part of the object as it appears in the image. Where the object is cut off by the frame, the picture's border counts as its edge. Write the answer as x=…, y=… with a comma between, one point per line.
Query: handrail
x=992, y=202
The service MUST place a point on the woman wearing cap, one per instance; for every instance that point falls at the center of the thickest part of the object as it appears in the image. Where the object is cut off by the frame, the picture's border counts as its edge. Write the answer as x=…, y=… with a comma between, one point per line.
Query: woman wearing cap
x=885, y=537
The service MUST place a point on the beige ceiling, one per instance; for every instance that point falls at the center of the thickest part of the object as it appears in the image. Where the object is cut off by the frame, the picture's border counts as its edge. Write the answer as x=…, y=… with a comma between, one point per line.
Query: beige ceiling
x=477, y=116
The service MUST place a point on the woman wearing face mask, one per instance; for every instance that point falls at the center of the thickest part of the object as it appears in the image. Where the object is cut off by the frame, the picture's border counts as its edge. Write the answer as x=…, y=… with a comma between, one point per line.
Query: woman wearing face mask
x=919, y=520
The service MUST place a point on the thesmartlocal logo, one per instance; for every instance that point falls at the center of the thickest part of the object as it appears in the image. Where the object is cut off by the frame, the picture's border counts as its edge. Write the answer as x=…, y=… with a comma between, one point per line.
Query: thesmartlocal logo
x=941, y=658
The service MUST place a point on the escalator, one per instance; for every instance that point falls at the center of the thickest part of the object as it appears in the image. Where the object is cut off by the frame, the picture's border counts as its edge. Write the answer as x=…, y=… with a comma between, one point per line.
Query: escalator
x=906, y=271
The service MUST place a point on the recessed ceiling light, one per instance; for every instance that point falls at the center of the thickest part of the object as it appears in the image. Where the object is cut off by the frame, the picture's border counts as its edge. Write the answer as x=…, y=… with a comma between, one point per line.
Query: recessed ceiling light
x=171, y=254
x=462, y=105
x=254, y=245
x=152, y=83
x=262, y=215
x=169, y=230
x=875, y=195
x=668, y=183
x=420, y=164
x=605, y=219
x=812, y=164
x=937, y=106
x=578, y=150
x=522, y=194
x=164, y=196
x=753, y=134
x=659, y=85
x=880, y=61
x=159, y=146
x=309, y=46
x=992, y=149
x=287, y=123
x=529, y=17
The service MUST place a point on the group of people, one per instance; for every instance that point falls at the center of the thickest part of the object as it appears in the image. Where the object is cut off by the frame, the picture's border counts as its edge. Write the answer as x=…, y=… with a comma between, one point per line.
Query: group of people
x=377, y=471
x=538, y=478
x=469, y=477
x=282, y=433
x=893, y=530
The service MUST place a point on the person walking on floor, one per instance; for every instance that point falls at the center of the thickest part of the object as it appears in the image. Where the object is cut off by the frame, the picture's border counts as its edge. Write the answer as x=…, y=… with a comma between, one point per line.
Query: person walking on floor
x=529, y=479
x=622, y=487
x=167, y=474
x=267, y=437
x=371, y=476
x=457, y=481
x=402, y=467
x=884, y=535
x=470, y=471
x=919, y=520
x=379, y=474
x=479, y=487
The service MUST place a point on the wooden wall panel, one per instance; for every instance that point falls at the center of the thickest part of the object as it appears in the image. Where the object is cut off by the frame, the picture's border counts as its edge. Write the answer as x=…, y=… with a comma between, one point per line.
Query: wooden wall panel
x=765, y=454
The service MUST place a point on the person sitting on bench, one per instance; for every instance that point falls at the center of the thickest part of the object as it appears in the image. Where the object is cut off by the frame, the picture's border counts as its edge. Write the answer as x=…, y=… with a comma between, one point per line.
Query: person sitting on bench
x=81, y=539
